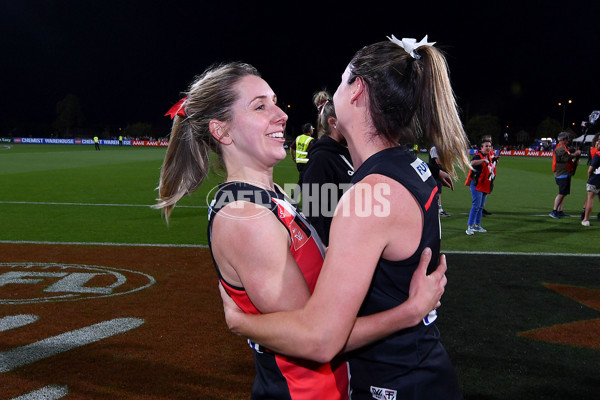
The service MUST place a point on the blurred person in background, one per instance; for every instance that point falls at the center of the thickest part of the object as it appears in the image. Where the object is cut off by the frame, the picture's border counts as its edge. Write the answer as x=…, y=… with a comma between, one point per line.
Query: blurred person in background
x=494, y=162
x=564, y=164
x=593, y=184
x=300, y=147
x=434, y=166
x=479, y=180
x=593, y=151
x=329, y=164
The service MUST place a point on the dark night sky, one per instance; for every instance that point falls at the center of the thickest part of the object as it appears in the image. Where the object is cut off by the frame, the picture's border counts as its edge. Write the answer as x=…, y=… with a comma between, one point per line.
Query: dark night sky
x=127, y=61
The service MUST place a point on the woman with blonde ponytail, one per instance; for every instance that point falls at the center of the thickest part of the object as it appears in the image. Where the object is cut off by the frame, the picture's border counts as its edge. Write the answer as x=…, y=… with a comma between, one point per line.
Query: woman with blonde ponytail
x=266, y=254
x=392, y=95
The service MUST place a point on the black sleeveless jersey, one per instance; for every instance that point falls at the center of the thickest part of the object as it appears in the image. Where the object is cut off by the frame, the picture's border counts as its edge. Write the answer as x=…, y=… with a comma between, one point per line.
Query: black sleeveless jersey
x=411, y=363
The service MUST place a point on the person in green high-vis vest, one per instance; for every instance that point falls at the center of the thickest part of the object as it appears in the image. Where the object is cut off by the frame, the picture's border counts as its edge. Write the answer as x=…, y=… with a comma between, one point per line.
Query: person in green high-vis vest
x=299, y=149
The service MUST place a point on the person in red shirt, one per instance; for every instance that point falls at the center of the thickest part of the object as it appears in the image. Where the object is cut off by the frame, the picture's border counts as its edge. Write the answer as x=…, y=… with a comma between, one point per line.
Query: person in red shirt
x=479, y=181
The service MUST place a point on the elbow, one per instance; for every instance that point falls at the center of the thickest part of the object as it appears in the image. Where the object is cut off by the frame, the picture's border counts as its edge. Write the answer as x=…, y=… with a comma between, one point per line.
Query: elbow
x=324, y=347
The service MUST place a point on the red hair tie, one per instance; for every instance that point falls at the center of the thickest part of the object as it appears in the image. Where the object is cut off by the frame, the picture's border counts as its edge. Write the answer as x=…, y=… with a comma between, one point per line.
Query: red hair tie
x=177, y=109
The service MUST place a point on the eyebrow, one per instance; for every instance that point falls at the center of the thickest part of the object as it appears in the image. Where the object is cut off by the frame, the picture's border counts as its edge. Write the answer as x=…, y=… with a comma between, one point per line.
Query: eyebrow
x=263, y=97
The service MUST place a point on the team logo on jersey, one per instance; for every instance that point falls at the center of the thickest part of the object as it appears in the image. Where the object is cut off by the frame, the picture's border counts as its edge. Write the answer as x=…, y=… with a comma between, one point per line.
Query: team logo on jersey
x=383, y=393
x=421, y=168
x=288, y=215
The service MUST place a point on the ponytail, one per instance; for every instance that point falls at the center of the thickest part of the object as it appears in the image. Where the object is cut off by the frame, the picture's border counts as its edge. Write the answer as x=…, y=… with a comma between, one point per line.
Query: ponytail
x=186, y=165
x=410, y=96
x=322, y=100
x=439, y=113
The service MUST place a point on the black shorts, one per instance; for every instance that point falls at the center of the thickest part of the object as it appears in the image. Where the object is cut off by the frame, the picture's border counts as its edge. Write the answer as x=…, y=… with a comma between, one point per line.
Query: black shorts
x=564, y=185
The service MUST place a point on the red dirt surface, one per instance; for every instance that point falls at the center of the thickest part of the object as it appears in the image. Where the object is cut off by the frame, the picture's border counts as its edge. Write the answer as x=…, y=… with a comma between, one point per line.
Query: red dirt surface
x=183, y=349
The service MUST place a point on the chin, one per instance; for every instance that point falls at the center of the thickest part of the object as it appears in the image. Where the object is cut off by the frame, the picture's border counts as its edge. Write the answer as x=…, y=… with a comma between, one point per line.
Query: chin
x=281, y=156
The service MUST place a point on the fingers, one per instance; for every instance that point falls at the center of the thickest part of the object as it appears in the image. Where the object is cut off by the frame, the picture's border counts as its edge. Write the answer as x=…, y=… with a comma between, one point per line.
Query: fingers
x=424, y=261
x=442, y=267
x=443, y=280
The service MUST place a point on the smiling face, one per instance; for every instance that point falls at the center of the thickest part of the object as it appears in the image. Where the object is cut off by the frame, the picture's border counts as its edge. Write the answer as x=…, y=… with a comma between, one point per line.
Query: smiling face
x=256, y=131
x=486, y=147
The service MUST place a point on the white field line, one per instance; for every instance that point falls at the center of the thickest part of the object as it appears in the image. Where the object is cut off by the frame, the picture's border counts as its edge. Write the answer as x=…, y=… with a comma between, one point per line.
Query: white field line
x=44, y=203
x=96, y=243
x=16, y=321
x=205, y=246
x=24, y=355
x=516, y=253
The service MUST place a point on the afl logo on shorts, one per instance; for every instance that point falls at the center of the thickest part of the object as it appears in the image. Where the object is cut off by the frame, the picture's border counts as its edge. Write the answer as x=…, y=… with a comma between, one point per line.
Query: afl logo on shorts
x=23, y=283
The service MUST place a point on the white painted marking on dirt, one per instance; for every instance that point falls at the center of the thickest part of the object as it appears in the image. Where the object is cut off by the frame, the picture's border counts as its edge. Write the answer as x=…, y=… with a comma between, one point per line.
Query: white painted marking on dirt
x=72, y=282
x=16, y=321
x=50, y=392
x=54, y=345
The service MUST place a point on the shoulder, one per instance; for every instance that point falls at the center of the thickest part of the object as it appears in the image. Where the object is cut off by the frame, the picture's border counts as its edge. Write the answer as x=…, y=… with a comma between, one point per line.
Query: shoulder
x=383, y=212
x=375, y=198
x=235, y=229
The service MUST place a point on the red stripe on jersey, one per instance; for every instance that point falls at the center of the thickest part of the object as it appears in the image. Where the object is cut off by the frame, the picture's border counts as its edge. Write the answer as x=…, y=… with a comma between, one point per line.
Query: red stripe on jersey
x=431, y=196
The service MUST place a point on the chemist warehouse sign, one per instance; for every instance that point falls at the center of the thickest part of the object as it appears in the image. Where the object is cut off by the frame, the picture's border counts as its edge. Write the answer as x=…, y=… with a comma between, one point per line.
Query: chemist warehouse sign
x=102, y=142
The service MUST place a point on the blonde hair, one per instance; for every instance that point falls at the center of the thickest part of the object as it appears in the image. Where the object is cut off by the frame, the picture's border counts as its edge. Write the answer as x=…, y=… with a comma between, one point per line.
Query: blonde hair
x=322, y=100
x=186, y=163
x=411, y=98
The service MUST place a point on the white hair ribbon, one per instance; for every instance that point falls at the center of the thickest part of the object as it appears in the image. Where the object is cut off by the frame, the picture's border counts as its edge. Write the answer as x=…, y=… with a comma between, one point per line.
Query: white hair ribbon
x=410, y=44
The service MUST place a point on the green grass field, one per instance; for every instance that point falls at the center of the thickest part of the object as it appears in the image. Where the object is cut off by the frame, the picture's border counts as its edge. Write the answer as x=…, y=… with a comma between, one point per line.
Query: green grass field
x=56, y=193
x=75, y=194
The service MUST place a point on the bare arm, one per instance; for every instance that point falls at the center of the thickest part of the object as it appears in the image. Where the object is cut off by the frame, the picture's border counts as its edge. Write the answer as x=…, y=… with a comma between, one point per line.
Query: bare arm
x=480, y=161
x=424, y=290
x=377, y=326
x=262, y=264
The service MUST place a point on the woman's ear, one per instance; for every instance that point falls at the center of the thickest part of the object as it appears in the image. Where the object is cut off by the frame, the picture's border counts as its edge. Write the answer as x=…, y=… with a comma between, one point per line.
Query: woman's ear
x=218, y=131
x=358, y=89
x=332, y=122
